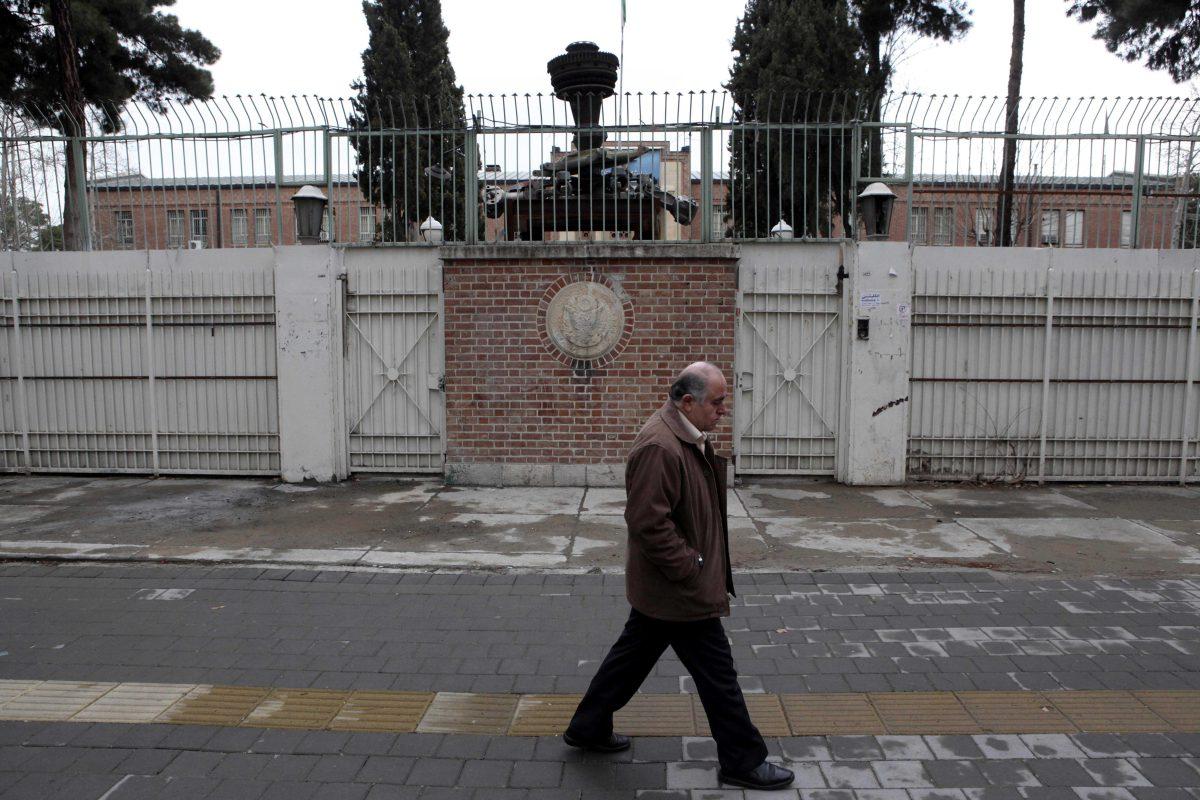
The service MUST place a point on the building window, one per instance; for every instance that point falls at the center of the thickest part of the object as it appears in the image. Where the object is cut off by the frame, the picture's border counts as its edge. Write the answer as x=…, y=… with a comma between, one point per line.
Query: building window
x=262, y=226
x=199, y=227
x=330, y=216
x=720, y=220
x=918, y=226
x=983, y=226
x=1126, y=229
x=239, y=226
x=366, y=224
x=943, y=226
x=125, y=229
x=1073, y=229
x=1050, y=223
x=175, y=237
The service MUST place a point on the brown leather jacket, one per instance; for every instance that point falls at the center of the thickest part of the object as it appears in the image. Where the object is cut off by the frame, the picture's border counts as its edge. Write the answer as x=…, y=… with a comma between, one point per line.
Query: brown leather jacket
x=676, y=510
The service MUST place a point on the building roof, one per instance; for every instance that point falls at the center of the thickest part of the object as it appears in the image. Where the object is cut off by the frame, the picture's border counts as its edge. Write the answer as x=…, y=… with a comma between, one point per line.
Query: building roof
x=136, y=180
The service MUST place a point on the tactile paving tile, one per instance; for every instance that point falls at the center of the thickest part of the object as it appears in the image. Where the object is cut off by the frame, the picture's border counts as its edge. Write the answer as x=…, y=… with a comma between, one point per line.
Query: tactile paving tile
x=10, y=690
x=134, y=702
x=458, y=712
x=923, y=712
x=544, y=714
x=1107, y=712
x=306, y=709
x=214, y=705
x=1180, y=707
x=397, y=712
x=1014, y=712
x=657, y=715
x=766, y=712
x=54, y=700
x=839, y=713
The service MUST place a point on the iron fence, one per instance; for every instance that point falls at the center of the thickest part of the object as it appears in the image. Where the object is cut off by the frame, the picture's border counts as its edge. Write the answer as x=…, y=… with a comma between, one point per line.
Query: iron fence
x=1090, y=172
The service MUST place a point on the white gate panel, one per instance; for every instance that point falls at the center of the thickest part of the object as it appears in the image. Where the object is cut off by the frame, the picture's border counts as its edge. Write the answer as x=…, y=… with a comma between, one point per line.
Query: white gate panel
x=789, y=365
x=1071, y=366
x=395, y=360
x=215, y=390
x=158, y=362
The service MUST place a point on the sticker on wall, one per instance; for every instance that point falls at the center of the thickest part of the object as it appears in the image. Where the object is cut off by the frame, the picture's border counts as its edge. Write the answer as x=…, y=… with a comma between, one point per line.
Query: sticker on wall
x=903, y=311
x=584, y=322
x=869, y=301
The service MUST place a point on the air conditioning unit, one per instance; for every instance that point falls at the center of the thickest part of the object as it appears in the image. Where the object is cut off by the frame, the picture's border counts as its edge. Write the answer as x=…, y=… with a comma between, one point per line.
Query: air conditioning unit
x=196, y=244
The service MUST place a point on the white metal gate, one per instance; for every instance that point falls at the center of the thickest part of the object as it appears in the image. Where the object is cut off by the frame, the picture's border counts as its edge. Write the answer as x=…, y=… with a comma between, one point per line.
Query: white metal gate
x=1064, y=366
x=395, y=407
x=139, y=362
x=789, y=366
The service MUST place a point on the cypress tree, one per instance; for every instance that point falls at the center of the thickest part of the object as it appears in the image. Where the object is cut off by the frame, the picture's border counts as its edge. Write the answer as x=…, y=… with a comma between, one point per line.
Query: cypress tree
x=411, y=155
x=796, y=61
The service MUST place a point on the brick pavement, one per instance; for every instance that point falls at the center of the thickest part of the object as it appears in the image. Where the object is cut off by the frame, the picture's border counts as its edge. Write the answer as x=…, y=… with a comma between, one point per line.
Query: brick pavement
x=891, y=634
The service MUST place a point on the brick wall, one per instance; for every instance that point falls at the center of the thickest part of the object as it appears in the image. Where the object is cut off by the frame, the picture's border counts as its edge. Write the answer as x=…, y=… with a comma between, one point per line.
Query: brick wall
x=509, y=400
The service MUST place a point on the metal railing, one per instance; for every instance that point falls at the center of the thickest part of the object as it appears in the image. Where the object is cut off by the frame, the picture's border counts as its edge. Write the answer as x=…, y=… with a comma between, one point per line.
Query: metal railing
x=1090, y=172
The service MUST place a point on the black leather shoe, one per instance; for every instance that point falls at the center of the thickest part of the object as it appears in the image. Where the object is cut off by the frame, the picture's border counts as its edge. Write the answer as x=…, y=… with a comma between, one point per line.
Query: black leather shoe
x=615, y=743
x=765, y=776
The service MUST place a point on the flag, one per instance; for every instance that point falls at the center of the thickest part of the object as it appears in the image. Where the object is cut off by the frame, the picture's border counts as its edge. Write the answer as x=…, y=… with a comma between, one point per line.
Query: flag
x=622, y=15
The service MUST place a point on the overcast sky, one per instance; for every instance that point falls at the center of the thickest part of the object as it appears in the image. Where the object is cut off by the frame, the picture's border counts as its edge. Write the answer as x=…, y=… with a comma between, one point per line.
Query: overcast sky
x=272, y=47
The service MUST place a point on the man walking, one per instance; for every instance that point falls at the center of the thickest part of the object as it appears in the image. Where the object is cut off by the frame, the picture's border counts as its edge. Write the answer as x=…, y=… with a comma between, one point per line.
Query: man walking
x=678, y=580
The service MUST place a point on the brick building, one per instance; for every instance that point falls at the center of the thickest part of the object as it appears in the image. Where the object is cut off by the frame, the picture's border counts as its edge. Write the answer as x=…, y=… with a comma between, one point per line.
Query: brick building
x=134, y=212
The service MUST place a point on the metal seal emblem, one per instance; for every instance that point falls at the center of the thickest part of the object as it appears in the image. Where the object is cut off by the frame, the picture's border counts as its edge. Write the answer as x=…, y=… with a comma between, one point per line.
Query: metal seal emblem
x=585, y=320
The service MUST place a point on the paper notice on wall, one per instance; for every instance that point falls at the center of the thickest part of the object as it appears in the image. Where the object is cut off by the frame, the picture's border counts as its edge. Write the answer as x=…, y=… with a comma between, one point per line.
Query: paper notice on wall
x=903, y=311
x=868, y=301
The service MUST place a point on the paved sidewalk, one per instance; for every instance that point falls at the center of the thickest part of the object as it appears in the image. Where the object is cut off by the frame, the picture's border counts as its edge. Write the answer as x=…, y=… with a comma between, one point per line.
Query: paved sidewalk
x=1084, y=530
x=903, y=643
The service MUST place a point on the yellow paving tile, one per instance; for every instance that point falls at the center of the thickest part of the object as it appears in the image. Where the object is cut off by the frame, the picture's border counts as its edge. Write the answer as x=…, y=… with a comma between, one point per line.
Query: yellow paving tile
x=1107, y=712
x=1180, y=707
x=544, y=714
x=398, y=712
x=1014, y=712
x=54, y=700
x=10, y=690
x=839, y=713
x=923, y=712
x=134, y=702
x=657, y=715
x=214, y=705
x=457, y=712
x=765, y=710
x=305, y=709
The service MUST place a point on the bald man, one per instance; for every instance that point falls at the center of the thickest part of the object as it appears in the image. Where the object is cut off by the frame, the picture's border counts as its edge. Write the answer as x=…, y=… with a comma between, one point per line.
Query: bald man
x=678, y=580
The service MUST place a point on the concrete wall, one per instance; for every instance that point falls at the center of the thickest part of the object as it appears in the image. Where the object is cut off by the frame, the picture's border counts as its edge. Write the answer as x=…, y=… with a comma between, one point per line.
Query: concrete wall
x=312, y=433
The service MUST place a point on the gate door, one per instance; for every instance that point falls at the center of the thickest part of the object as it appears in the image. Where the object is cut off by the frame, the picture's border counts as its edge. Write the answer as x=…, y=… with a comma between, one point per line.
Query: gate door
x=788, y=362
x=394, y=367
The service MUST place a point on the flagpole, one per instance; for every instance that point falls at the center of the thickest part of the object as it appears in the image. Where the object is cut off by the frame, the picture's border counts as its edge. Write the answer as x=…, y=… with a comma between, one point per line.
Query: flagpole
x=621, y=88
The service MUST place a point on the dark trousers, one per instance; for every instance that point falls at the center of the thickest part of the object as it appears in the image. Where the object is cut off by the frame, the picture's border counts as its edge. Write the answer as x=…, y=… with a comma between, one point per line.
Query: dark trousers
x=704, y=651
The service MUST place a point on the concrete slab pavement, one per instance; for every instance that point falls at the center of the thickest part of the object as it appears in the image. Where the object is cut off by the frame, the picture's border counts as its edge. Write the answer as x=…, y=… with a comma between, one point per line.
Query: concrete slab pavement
x=776, y=524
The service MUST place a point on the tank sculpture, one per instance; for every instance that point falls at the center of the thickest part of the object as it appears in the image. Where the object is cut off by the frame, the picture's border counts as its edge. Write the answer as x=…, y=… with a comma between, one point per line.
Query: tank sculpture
x=591, y=187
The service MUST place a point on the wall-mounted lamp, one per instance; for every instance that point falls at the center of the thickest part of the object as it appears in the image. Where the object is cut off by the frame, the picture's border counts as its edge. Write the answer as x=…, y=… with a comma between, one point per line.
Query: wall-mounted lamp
x=782, y=231
x=431, y=230
x=309, y=205
x=875, y=204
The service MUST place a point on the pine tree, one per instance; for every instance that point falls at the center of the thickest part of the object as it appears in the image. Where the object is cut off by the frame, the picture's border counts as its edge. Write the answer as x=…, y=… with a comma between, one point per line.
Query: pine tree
x=411, y=156
x=881, y=23
x=1165, y=32
x=67, y=61
x=797, y=61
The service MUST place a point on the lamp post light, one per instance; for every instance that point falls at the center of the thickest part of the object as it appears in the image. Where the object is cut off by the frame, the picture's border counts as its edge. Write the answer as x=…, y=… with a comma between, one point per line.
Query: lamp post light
x=431, y=230
x=309, y=205
x=782, y=231
x=876, y=202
